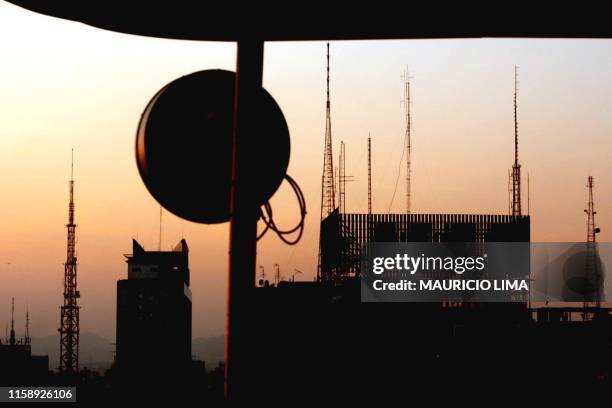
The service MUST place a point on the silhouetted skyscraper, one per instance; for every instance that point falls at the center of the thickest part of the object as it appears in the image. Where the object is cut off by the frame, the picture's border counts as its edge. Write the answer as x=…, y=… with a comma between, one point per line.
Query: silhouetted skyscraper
x=154, y=316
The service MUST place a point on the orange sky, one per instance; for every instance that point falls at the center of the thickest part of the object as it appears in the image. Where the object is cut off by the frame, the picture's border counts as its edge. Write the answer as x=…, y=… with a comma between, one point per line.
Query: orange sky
x=65, y=85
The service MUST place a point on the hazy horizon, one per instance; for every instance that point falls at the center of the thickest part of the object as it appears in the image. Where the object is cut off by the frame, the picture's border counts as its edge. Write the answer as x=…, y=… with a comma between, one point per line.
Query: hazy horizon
x=66, y=85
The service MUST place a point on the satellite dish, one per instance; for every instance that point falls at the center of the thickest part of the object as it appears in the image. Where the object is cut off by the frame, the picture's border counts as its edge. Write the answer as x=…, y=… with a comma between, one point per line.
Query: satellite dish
x=184, y=147
x=577, y=285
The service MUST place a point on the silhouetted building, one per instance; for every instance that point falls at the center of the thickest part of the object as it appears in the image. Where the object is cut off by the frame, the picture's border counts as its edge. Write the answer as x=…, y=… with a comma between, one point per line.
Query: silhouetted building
x=17, y=364
x=318, y=338
x=19, y=367
x=154, y=318
x=344, y=235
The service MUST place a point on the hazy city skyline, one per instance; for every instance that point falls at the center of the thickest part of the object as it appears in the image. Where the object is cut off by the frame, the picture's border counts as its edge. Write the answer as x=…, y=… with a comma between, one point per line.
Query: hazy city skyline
x=66, y=85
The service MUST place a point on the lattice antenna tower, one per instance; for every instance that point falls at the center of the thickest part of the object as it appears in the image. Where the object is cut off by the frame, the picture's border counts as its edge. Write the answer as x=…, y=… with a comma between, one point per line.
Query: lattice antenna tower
x=69, y=321
x=27, y=339
x=592, y=274
x=328, y=193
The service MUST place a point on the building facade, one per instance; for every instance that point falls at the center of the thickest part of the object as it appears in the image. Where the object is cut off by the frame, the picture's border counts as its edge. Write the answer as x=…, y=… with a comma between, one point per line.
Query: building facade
x=343, y=236
x=154, y=316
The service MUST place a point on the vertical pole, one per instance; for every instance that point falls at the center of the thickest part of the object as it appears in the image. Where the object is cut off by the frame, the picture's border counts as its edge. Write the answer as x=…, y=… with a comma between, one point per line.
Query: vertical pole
x=408, y=144
x=244, y=215
x=369, y=175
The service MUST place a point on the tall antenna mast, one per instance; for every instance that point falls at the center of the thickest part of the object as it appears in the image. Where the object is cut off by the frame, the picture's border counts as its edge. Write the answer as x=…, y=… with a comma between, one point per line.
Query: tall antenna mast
x=408, y=139
x=328, y=186
x=27, y=339
x=12, y=340
x=369, y=174
x=69, y=322
x=328, y=193
x=516, y=167
x=592, y=274
x=277, y=277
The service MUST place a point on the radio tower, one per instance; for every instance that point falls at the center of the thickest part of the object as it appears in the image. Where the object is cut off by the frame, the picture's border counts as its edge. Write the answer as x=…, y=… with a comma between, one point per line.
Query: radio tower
x=408, y=138
x=26, y=337
x=592, y=275
x=516, y=167
x=328, y=193
x=69, y=323
x=369, y=174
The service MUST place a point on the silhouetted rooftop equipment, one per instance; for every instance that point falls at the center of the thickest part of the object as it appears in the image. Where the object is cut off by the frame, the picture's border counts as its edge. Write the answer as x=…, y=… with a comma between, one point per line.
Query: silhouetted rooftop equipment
x=184, y=147
x=10, y=338
x=17, y=364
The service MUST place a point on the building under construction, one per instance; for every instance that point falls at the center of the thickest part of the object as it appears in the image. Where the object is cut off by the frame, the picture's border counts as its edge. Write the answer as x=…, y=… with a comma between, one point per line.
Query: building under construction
x=344, y=235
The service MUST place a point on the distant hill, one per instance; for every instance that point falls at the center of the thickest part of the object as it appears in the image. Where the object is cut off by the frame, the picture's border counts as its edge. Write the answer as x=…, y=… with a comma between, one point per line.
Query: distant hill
x=96, y=352
x=209, y=349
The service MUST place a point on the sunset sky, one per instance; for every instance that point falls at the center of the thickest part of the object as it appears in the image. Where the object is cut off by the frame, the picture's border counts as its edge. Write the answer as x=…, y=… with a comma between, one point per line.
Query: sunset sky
x=65, y=85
